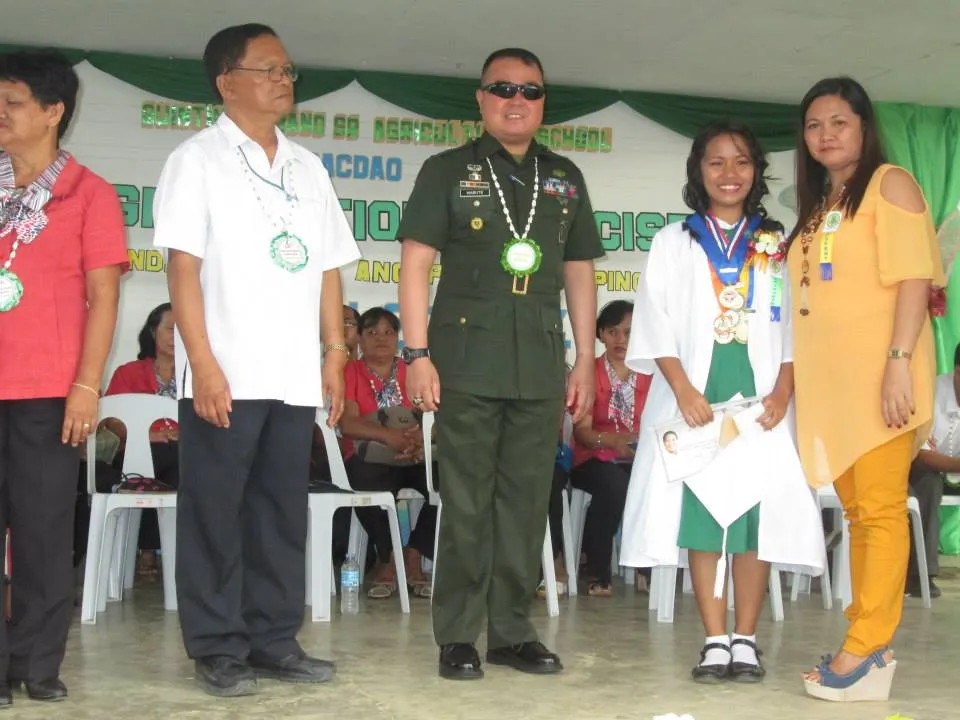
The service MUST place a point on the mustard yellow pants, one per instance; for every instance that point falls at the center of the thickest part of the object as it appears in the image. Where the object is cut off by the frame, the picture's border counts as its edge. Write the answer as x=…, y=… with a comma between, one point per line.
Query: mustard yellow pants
x=874, y=497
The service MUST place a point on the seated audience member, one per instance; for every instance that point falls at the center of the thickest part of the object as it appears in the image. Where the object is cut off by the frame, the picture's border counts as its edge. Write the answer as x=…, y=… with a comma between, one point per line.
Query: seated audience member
x=351, y=330
x=939, y=457
x=152, y=373
x=387, y=452
x=605, y=442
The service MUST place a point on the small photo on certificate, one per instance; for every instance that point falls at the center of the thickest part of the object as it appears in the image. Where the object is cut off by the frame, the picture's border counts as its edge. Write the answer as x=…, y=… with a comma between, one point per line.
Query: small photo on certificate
x=686, y=450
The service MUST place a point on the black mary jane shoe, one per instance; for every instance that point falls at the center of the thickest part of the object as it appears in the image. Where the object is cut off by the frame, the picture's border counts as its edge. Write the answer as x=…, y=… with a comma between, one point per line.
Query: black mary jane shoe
x=742, y=672
x=460, y=661
x=711, y=674
x=52, y=690
x=529, y=657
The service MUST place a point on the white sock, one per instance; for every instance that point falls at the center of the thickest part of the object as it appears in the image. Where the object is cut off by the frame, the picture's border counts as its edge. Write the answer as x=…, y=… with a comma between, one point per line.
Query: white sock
x=715, y=656
x=744, y=653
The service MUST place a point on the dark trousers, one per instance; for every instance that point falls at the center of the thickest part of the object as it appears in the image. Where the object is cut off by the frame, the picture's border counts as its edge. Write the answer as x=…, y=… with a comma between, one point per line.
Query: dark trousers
x=927, y=487
x=242, y=529
x=607, y=484
x=496, y=459
x=38, y=479
x=561, y=478
x=366, y=476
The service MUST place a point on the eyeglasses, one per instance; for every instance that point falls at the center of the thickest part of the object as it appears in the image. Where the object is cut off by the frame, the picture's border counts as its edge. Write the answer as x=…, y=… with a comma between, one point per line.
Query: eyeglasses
x=507, y=90
x=276, y=73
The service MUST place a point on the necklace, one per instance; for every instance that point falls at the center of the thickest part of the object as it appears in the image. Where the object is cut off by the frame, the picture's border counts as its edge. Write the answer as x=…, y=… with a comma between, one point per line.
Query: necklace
x=503, y=200
x=22, y=210
x=287, y=250
x=833, y=217
x=521, y=255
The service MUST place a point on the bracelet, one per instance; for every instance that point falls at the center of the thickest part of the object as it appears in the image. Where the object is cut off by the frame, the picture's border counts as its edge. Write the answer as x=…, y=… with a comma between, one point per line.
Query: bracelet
x=87, y=388
x=337, y=346
x=896, y=354
x=599, y=440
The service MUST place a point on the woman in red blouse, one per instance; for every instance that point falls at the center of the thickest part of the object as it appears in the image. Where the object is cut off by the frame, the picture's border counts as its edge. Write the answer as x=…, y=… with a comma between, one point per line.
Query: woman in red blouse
x=375, y=382
x=62, y=251
x=152, y=373
x=605, y=441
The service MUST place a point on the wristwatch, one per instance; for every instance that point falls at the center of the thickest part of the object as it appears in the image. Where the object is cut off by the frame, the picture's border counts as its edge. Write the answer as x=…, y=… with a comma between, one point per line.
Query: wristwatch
x=408, y=355
x=897, y=354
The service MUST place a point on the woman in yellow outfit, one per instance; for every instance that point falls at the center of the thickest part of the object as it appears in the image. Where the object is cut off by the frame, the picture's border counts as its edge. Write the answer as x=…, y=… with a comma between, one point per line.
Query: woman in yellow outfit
x=862, y=260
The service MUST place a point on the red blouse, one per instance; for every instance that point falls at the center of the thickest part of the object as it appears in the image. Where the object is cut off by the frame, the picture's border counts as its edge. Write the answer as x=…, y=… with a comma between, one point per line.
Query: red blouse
x=361, y=386
x=42, y=338
x=601, y=418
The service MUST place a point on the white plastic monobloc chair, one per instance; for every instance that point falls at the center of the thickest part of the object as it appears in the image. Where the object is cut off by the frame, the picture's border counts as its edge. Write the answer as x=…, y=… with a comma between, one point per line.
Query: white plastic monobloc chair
x=114, y=517
x=663, y=590
x=322, y=506
x=549, y=572
x=840, y=582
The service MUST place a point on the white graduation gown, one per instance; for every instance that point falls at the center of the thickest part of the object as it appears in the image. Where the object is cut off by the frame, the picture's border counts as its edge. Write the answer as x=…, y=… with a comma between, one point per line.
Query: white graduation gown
x=673, y=316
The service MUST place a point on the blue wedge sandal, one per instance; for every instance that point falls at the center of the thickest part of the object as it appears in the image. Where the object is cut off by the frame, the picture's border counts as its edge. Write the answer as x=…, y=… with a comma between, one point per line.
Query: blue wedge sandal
x=870, y=681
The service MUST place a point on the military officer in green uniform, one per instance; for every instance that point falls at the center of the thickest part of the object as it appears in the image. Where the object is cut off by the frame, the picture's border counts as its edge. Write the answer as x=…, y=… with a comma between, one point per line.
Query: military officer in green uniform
x=514, y=225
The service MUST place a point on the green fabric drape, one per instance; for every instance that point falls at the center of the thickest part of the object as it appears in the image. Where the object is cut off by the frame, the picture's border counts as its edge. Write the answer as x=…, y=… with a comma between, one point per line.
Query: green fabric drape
x=926, y=141
x=186, y=80
x=451, y=98
x=774, y=124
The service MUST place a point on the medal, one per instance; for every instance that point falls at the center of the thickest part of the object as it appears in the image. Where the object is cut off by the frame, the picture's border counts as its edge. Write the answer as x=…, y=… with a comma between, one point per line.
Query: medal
x=723, y=329
x=730, y=298
x=288, y=252
x=11, y=290
x=521, y=256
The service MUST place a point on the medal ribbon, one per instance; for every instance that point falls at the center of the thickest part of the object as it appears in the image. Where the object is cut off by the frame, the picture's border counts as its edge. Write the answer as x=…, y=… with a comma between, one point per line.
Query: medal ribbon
x=728, y=259
x=830, y=226
x=776, y=295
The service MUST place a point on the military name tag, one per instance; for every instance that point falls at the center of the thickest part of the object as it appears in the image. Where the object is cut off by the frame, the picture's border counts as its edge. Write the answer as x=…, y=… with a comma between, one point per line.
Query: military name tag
x=474, y=188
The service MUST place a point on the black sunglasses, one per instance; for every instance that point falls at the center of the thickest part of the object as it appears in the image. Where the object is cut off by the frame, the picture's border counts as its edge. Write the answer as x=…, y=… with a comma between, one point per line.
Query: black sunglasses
x=507, y=90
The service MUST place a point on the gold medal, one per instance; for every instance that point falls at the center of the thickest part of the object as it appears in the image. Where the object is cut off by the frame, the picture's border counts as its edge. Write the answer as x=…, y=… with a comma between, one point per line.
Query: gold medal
x=730, y=298
x=723, y=328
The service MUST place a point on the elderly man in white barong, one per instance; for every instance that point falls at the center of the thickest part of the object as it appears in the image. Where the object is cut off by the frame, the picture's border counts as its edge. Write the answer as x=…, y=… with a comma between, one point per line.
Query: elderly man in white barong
x=712, y=324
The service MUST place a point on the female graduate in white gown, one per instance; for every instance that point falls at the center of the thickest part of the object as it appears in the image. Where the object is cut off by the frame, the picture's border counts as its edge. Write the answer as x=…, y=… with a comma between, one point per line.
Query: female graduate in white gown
x=712, y=321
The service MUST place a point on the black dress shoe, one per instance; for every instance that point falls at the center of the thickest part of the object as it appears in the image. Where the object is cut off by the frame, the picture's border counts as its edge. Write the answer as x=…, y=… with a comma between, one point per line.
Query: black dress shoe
x=6, y=697
x=52, y=690
x=715, y=673
x=460, y=661
x=528, y=657
x=747, y=672
x=224, y=676
x=294, y=668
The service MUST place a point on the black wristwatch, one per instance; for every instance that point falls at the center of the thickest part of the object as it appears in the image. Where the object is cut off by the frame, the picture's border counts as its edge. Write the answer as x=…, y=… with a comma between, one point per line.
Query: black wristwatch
x=408, y=355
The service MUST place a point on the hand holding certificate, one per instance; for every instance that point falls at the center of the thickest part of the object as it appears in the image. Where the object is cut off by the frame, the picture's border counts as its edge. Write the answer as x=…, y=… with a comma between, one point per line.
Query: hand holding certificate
x=686, y=450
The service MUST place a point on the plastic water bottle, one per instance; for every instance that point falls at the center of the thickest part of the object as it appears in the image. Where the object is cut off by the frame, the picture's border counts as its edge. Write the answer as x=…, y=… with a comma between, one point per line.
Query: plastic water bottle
x=350, y=587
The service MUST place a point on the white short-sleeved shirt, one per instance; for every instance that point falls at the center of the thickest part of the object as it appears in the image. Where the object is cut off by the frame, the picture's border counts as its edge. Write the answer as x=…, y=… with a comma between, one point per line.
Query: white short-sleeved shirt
x=263, y=322
x=946, y=418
